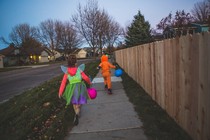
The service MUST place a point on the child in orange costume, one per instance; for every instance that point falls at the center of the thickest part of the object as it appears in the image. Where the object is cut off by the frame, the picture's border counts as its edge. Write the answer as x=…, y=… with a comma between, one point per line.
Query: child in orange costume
x=106, y=73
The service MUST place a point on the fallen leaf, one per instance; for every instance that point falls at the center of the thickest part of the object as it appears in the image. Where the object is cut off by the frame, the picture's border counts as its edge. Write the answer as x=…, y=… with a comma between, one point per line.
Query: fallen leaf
x=46, y=104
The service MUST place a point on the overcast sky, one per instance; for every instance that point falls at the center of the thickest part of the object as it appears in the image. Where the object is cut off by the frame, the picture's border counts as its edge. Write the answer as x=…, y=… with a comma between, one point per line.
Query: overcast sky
x=33, y=12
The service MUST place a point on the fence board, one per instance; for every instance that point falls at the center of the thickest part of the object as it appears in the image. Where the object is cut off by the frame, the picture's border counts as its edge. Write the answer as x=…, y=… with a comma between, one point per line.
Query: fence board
x=152, y=66
x=133, y=64
x=160, y=74
x=138, y=64
x=203, y=109
x=147, y=69
x=207, y=134
x=208, y=89
x=184, y=70
x=193, y=99
x=167, y=75
x=177, y=91
x=142, y=66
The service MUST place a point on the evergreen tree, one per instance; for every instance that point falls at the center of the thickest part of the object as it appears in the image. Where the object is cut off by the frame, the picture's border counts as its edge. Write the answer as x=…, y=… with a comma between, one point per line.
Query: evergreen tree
x=138, y=32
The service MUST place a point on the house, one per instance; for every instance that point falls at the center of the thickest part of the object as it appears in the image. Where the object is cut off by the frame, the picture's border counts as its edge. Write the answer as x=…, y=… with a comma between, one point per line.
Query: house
x=191, y=29
x=58, y=53
x=90, y=51
x=80, y=53
x=200, y=27
x=11, y=55
x=1, y=61
x=25, y=55
x=45, y=55
x=35, y=54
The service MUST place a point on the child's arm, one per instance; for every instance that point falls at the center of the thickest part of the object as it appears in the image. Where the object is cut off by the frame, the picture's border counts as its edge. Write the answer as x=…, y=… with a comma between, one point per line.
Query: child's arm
x=86, y=78
x=99, y=66
x=112, y=66
x=62, y=86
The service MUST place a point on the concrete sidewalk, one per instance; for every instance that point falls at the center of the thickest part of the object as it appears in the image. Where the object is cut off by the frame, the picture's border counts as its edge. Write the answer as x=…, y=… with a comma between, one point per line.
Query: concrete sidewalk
x=108, y=117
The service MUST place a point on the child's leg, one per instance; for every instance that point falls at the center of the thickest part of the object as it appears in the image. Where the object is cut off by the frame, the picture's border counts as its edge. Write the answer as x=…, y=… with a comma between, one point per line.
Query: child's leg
x=105, y=80
x=77, y=111
x=109, y=83
x=106, y=76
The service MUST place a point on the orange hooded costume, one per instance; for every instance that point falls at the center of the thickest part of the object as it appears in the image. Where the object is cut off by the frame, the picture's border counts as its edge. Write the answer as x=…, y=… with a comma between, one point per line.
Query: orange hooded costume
x=105, y=71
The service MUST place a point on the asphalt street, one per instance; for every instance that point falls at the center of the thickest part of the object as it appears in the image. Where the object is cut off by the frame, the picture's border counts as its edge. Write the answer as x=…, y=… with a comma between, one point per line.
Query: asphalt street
x=17, y=81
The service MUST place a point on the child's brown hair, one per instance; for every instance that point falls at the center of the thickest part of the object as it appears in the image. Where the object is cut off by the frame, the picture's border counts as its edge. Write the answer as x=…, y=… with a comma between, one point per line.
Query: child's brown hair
x=72, y=60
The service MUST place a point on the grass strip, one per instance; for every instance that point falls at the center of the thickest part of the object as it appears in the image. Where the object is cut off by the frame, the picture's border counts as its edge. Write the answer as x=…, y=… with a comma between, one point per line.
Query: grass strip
x=39, y=113
x=157, y=124
x=9, y=69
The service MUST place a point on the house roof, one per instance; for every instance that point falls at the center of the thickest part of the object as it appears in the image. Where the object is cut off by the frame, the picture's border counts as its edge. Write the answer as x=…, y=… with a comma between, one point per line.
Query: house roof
x=79, y=50
x=76, y=51
x=90, y=49
x=48, y=50
x=8, y=51
x=66, y=50
x=200, y=25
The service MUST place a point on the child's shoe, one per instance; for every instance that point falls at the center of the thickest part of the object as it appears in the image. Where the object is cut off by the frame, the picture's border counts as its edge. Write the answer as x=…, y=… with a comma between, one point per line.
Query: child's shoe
x=76, y=119
x=109, y=91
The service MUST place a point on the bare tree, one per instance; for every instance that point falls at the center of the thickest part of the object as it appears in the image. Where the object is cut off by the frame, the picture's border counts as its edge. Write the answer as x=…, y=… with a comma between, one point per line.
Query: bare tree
x=201, y=11
x=86, y=22
x=179, y=22
x=114, y=31
x=67, y=37
x=47, y=34
x=110, y=33
x=94, y=25
x=182, y=19
x=22, y=33
x=165, y=22
x=4, y=41
x=103, y=24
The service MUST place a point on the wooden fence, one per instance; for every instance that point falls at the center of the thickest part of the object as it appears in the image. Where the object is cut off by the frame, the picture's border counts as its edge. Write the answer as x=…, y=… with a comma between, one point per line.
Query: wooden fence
x=176, y=74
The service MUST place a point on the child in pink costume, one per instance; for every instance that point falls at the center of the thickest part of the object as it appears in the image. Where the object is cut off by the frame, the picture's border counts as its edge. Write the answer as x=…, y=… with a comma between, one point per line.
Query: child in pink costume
x=75, y=90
